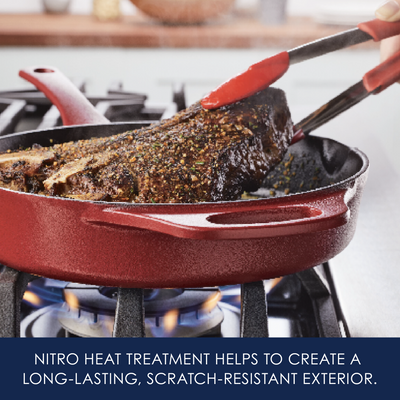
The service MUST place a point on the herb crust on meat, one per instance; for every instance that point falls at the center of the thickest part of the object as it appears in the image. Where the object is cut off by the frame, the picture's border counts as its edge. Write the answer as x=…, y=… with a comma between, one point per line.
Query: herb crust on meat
x=196, y=156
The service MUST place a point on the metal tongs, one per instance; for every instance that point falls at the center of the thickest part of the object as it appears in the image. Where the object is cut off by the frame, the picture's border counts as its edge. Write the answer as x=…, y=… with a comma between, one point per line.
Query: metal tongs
x=262, y=74
x=373, y=82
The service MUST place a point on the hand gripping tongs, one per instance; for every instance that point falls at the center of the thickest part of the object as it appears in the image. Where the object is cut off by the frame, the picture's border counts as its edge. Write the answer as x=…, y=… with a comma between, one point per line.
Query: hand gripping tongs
x=262, y=74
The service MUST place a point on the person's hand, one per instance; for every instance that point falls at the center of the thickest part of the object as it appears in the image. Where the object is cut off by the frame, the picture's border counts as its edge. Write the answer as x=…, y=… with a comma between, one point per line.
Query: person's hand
x=389, y=11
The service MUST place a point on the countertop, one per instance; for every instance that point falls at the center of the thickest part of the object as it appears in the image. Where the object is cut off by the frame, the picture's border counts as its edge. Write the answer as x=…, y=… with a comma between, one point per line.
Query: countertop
x=235, y=31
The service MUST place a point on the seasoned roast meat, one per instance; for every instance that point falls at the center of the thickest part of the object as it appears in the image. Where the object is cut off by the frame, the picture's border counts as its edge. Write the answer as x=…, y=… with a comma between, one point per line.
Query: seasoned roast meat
x=198, y=155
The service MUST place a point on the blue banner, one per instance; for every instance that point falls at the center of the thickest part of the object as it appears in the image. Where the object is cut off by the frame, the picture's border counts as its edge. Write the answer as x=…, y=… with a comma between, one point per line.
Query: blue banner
x=199, y=367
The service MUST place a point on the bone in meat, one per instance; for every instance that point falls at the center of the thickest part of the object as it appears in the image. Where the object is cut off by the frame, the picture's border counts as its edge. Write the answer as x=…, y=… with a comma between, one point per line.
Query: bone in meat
x=198, y=155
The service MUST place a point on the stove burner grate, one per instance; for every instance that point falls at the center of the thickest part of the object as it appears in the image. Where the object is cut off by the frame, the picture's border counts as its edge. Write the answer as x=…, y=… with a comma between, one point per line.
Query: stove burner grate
x=29, y=109
x=302, y=301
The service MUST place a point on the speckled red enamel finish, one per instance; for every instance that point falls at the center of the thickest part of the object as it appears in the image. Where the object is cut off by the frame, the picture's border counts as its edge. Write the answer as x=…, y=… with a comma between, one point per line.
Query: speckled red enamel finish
x=177, y=245
x=99, y=243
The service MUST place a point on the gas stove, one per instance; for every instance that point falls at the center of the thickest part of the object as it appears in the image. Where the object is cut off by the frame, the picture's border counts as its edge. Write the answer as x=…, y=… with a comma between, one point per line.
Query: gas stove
x=304, y=304
x=298, y=305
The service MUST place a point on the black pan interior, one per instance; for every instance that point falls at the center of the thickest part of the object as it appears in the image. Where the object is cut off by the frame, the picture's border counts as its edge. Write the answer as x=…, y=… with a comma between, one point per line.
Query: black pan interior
x=309, y=164
x=64, y=134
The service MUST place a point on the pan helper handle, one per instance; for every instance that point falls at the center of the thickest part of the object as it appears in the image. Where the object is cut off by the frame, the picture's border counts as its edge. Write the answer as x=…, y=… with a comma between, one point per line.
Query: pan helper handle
x=241, y=222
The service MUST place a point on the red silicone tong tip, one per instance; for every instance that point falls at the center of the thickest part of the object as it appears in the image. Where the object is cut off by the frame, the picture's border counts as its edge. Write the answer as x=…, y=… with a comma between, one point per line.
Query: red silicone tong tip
x=299, y=135
x=258, y=77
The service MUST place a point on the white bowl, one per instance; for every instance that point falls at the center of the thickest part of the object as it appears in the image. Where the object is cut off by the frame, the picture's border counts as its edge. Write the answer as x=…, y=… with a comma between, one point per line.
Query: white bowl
x=56, y=6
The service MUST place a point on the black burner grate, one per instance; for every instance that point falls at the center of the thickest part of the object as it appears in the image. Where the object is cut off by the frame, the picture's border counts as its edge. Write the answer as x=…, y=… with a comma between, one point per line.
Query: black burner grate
x=22, y=110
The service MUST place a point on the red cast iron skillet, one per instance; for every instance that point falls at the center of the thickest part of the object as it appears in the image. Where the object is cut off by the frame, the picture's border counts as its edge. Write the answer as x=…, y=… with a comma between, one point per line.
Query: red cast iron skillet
x=179, y=245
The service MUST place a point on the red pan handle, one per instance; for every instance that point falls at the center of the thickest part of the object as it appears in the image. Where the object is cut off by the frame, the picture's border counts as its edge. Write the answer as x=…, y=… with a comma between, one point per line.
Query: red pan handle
x=74, y=107
x=324, y=213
